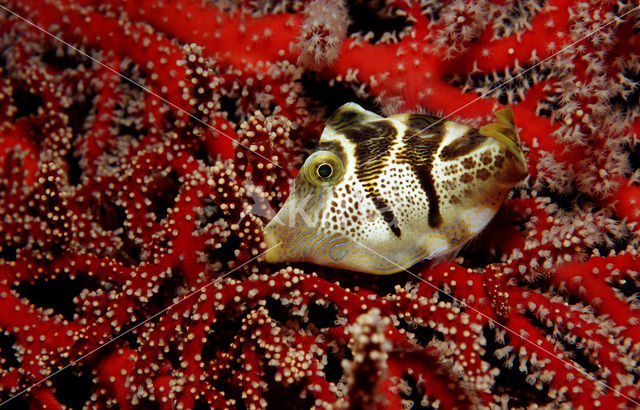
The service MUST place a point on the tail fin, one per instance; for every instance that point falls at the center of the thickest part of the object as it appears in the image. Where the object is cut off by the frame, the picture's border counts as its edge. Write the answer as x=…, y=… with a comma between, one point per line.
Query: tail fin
x=504, y=130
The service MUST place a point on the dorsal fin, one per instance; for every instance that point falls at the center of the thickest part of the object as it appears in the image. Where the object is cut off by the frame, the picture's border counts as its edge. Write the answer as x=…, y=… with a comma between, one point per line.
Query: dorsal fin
x=349, y=114
x=504, y=130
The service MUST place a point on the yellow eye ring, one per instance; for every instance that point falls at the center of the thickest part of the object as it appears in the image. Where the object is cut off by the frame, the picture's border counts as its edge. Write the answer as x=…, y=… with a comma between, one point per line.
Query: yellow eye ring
x=323, y=168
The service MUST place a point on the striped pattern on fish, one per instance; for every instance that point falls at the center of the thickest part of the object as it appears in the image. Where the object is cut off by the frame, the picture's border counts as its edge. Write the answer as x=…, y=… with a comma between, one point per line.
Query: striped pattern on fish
x=380, y=194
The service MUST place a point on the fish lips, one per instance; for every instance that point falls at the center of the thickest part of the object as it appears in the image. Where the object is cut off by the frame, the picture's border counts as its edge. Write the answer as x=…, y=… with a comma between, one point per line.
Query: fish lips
x=275, y=234
x=282, y=233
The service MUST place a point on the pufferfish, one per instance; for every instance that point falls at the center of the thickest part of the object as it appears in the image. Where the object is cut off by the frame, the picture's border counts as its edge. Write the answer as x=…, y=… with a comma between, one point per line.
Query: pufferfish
x=380, y=194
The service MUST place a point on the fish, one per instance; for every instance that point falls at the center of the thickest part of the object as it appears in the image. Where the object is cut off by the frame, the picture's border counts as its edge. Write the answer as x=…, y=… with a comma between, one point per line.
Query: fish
x=379, y=194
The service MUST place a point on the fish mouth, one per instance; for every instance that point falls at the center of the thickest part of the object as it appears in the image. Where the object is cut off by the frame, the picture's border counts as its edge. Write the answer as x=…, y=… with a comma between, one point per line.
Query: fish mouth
x=281, y=232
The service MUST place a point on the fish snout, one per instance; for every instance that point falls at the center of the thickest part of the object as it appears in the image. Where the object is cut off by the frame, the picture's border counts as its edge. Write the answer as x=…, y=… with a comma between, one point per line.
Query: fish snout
x=273, y=239
x=277, y=235
x=285, y=230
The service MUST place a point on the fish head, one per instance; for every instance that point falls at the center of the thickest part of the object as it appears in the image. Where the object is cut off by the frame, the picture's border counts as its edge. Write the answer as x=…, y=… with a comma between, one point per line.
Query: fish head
x=327, y=213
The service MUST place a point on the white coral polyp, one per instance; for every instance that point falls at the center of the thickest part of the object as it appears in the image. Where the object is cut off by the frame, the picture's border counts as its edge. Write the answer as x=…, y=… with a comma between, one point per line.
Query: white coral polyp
x=323, y=31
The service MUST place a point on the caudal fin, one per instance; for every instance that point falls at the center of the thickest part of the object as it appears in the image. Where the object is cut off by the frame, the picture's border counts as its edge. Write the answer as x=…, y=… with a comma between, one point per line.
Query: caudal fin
x=504, y=130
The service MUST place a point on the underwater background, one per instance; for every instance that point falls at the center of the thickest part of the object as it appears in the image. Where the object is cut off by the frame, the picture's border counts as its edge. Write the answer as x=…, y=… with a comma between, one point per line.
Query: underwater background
x=137, y=151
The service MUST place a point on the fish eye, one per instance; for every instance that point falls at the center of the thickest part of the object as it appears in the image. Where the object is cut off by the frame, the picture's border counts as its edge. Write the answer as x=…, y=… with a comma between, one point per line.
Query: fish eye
x=323, y=168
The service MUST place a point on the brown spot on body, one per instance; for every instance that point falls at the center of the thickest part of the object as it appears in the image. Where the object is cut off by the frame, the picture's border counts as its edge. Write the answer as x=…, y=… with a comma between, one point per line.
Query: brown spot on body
x=345, y=116
x=466, y=178
x=449, y=185
x=485, y=158
x=467, y=143
x=483, y=174
x=452, y=169
x=468, y=163
x=421, y=121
